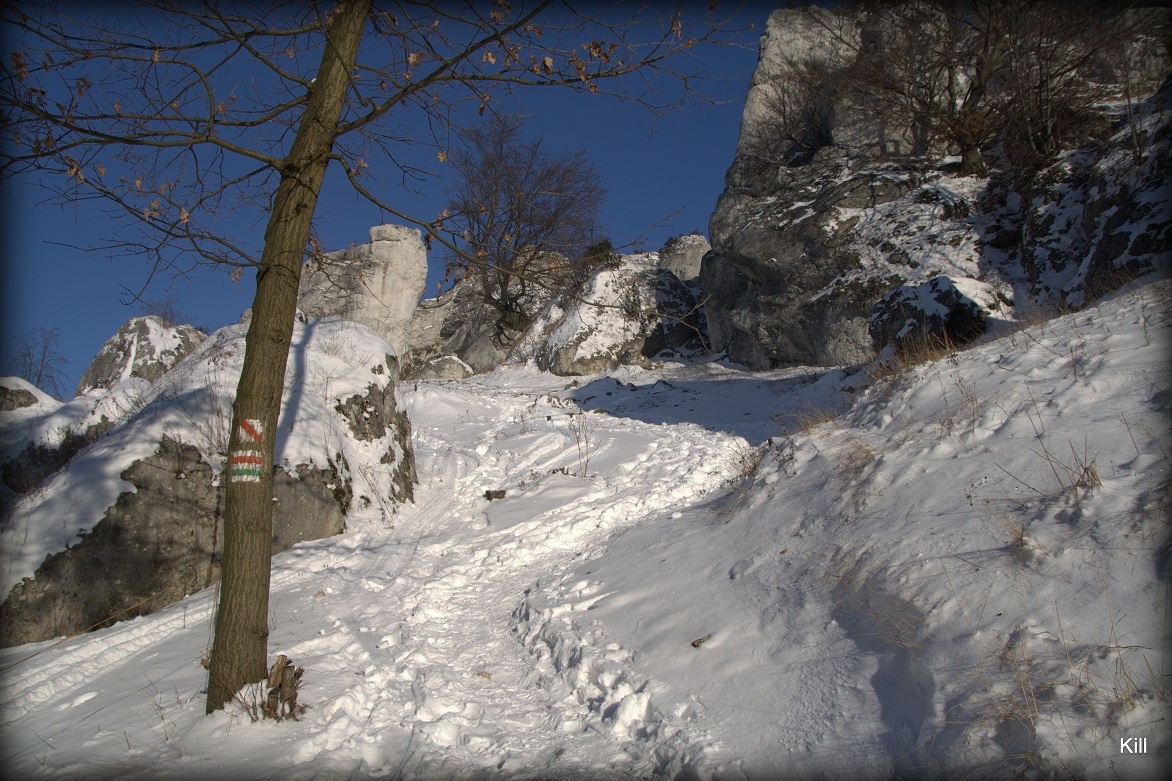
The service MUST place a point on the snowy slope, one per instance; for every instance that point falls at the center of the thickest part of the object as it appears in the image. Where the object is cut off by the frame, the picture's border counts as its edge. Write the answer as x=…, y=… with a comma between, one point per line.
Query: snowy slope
x=700, y=572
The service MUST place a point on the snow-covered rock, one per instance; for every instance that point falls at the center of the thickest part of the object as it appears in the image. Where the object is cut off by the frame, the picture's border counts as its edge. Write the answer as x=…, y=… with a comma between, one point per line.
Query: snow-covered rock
x=445, y=367
x=460, y=324
x=1101, y=215
x=144, y=347
x=626, y=313
x=135, y=512
x=37, y=440
x=682, y=255
x=18, y=394
x=941, y=311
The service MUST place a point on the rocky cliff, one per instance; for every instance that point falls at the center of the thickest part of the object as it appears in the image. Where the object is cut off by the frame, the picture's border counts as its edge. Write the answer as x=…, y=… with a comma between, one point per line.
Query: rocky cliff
x=627, y=311
x=144, y=347
x=843, y=228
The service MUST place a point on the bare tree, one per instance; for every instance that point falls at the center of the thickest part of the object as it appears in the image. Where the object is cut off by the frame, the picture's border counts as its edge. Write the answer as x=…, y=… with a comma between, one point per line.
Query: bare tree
x=800, y=106
x=522, y=217
x=958, y=76
x=1050, y=93
x=35, y=356
x=178, y=115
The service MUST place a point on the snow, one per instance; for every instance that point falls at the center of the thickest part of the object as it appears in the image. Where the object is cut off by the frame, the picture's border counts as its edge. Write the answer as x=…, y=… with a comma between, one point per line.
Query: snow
x=331, y=360
x=959, y=567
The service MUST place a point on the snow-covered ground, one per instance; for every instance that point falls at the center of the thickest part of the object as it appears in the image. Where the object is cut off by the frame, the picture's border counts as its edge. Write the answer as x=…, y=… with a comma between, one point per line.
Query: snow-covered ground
x=961, y=567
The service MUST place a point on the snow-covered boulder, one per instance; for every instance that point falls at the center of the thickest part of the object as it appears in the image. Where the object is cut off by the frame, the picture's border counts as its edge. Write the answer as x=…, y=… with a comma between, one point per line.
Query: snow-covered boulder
x=376, y=284
x=446, y=367
x=626, y=313
x=144, y=347
x=135, y=514
x=940, y=311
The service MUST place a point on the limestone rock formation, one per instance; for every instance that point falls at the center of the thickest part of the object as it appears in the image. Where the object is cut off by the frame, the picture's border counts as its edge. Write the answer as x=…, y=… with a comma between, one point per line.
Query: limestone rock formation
x=826, y=213
x=131, y=520
x=156, y=545
x=144, y=347
x=15, y=394
x=376, y=284
x=682, y=255
x=626, y=313
x=459, y=324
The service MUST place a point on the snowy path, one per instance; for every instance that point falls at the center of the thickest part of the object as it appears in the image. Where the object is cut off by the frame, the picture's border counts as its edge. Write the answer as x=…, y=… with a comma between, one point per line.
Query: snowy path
x=921, y=578
x=436, y=667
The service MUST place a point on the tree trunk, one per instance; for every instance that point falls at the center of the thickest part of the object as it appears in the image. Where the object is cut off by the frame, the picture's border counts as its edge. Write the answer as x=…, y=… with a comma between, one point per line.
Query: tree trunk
x=971, y=162
x=240, y=649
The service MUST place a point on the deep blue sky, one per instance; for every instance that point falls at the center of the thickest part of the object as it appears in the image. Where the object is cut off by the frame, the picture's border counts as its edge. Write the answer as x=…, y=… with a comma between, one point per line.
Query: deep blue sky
x=651, y=165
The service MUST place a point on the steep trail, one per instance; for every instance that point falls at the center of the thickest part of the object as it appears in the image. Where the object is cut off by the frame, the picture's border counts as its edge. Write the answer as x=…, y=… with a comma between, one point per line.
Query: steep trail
x=420, y=651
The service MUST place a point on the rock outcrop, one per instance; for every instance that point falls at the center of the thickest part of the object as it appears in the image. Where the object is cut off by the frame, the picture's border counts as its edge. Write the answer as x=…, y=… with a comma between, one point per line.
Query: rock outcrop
x=144, y=347
x=157, y=544
x=13, y=396
x=937, y=313
x=460, y=324
x=627, y=311
x=825, y=213
x=626, y=314
x=682, y=255
x=132, y=521
x=376, y=284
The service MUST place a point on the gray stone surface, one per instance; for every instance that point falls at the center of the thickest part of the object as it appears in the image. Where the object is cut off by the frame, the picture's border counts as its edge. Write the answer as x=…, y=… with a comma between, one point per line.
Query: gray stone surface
x=782, y=282
x=156, y=545
x=376, y=284
x=15, y=398
x=942, y=311
x=805, y=245
x=461, y=324
x=645, y=310
x=681, y=255
x=145, y=347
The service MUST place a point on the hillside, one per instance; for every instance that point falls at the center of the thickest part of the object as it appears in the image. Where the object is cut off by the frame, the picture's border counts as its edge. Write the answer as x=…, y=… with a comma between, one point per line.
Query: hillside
x=957, y=567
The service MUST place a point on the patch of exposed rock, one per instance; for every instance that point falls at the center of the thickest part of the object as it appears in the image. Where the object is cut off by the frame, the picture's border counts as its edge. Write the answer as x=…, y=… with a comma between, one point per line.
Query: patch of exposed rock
x=460, y=324
x=682, y=255
x=937, y=313
x=157, y=544
x=376, y=284
x=375, y=415
x=15, y=398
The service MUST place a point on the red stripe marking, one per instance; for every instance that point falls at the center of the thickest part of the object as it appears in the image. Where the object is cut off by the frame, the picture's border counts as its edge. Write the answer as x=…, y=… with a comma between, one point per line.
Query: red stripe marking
x=247, y=460
x=247, y=428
